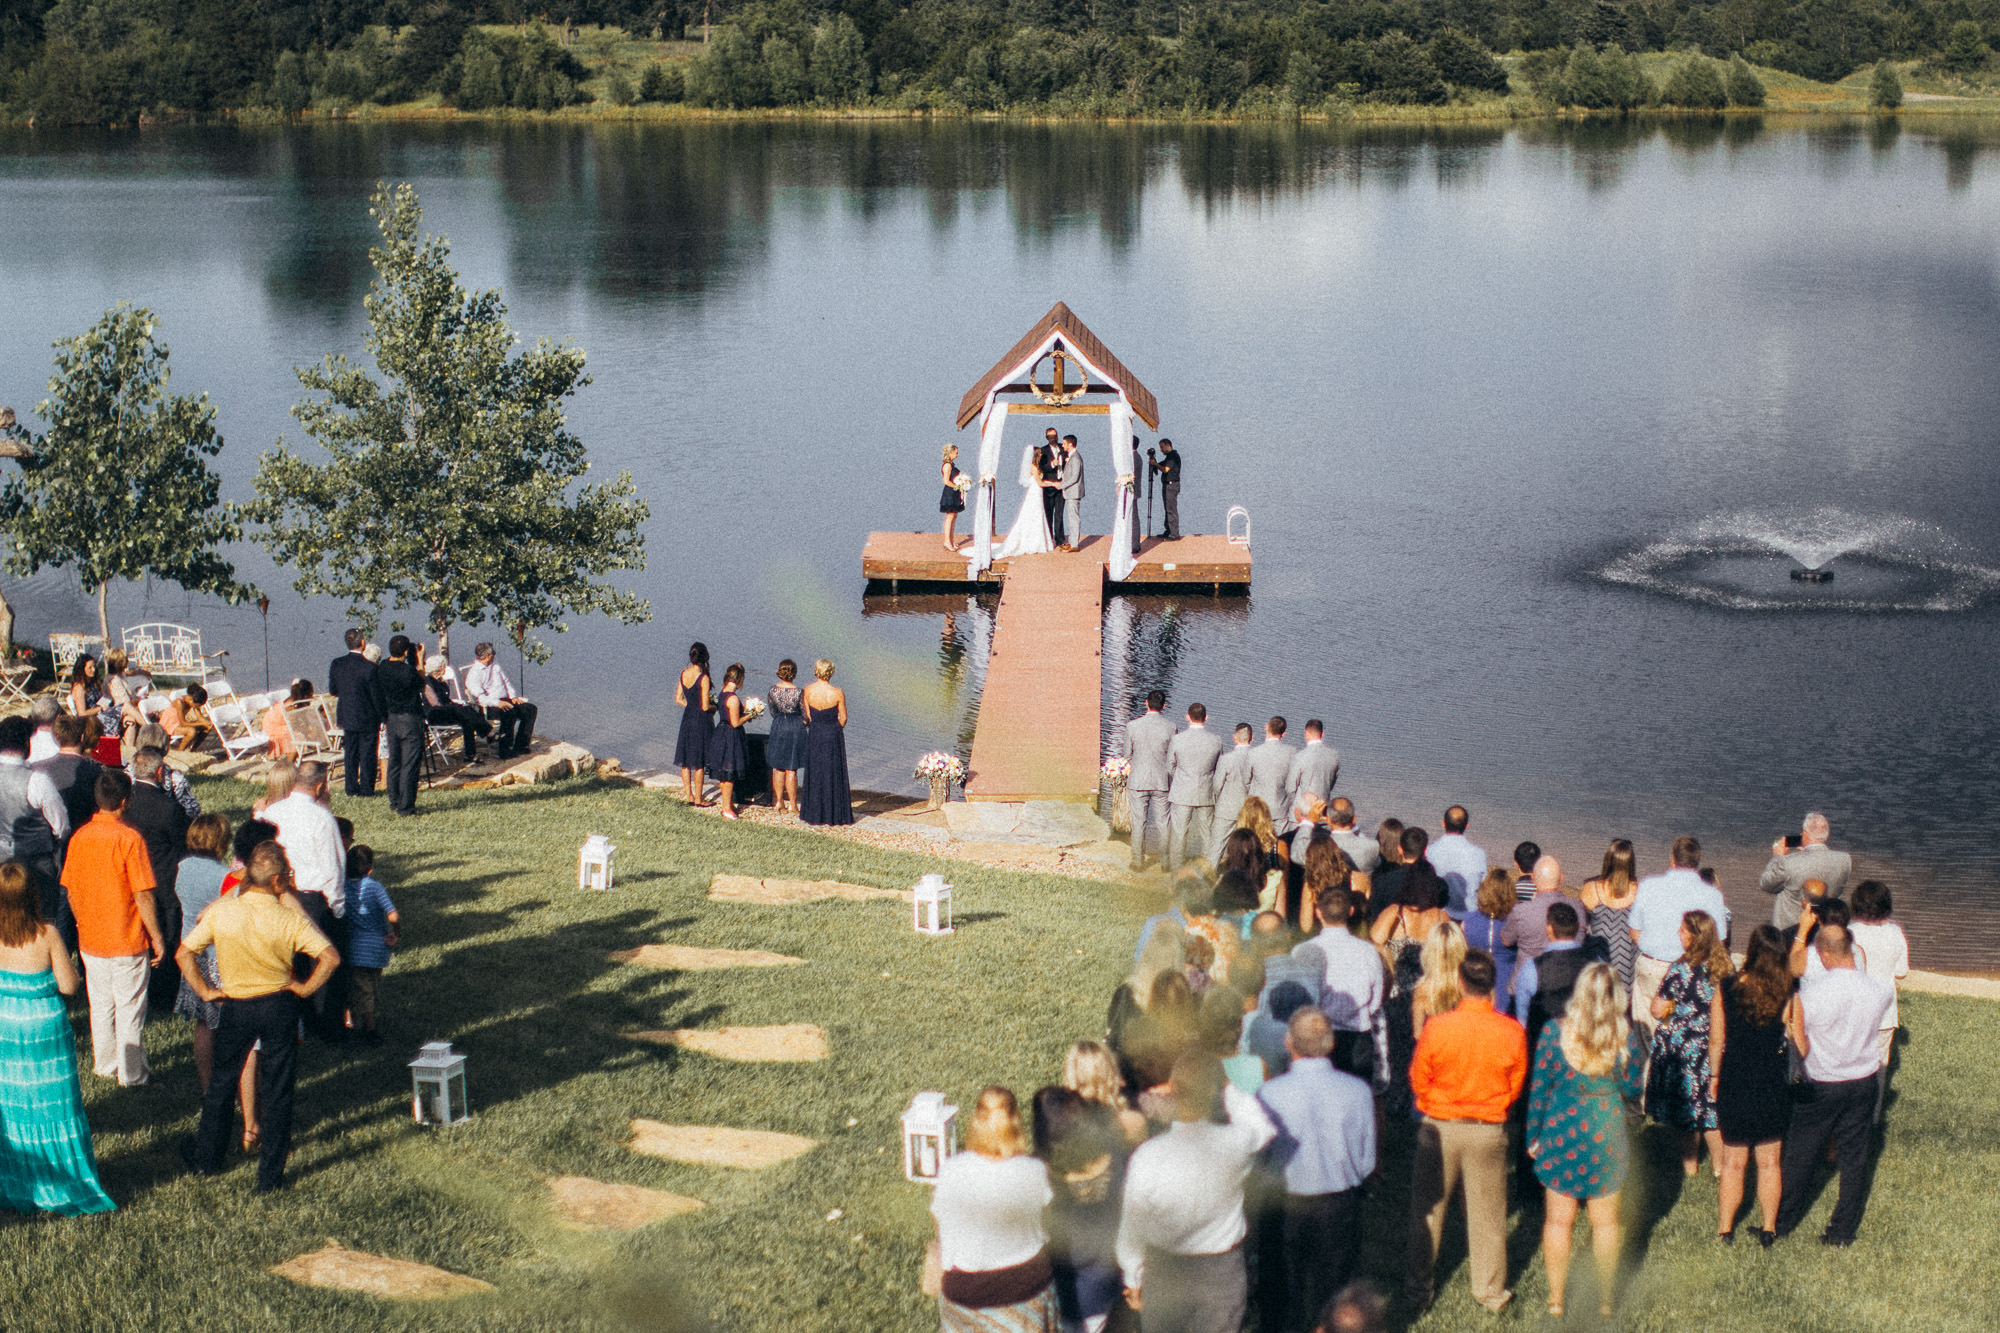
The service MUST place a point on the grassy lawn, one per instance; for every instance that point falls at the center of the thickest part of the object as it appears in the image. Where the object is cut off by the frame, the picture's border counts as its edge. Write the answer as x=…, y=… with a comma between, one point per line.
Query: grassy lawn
x=505, y=957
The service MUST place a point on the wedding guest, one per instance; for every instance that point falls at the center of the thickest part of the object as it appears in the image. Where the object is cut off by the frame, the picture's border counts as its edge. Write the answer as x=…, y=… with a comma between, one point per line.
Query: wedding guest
x=279, y=779
x=42, y=715
x=124, y=687
x=1437, y=991
x=1181, y=1231
x=441, y=710
x=1091, y=1072
x=1401, y=933
x=1607, y=902
x=34, y=821
x=1790, y=867
x=197, y=884
x=694, y=692
x=1679, y=1088
x=1355, y=1308
x=1542, y=986
x=372, y=921
x=316, y=873
x=110, y=882
x=952, y=503
x=988, y=1206
x=1459, y=860
x=1467, y=1071
x=728, y=755
x=278, y=731
x=1836, y=1026
x=1255, y=816
x=73, y=772
x=513, y=717
x=1655, y=921
x=1750, y=1076
x=351, y=679
x=172, y=781
x=1191, y=760
x=46, y=1160
x=402, y=689
x=1527, y=928
x=1149, y=740
x=1885, y=955
x=1232, y=785
x=1271, y=775
x=1525, y=856
x=1488, y=919
x=1264, y=1034
x=785, y=749
x=1362, y=852
x=1085, y=1153
x=1069, y=479
x=1353, y=989
x=86, y=692
x=1391, y=870
x=827, y=798
x=1324, y=1147
x=1590, y=1063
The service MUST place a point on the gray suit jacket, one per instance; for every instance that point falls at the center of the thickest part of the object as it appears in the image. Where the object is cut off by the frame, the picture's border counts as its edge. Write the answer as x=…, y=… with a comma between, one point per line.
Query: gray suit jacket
x=1191, y=766
x=1786, y=875
x=1271, y=779
x=1314, y=772
x=1147, y=740
x=1071, y=475
x=1232, y=781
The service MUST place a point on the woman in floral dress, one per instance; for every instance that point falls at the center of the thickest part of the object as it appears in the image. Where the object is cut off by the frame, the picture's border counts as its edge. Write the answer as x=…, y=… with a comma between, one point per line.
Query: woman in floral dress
x=1678, y=1091
x=1587, y=1064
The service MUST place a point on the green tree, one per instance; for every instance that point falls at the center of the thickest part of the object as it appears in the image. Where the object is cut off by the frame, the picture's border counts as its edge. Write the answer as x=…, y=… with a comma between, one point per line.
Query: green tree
x=1742, y=84
x=653, y=84
x=483, y=85
x=727, y=72
x=119, y=487
x=785, y=68
x=1885, y=87
x=290, y=92
x=1302, y=79
x=448, y=480
x=1695, y=83
x=618, y=89
x=1965, y=49
x=1465, y=63
x=839, y=62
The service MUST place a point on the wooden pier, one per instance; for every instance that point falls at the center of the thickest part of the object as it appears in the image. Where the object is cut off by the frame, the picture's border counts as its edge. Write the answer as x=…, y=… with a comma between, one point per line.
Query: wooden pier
x=1215, y=563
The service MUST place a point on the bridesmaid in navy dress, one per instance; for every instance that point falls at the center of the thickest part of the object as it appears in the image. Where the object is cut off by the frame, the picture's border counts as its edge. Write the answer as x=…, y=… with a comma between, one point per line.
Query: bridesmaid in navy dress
x=827, y=799
x=951, y=504
x=728, y=757
x=785, y=751
x=694, y=693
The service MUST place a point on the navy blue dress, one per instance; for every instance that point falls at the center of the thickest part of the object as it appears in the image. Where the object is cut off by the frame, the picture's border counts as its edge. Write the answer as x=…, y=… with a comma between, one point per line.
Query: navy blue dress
x=691, y=750
x=825, y=798
x=785, y=751
x=728, y=759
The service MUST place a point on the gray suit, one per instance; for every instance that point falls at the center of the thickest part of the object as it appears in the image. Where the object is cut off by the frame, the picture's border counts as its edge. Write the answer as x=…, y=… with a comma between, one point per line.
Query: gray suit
x=1191, y=791
x=1786, y=875
x=1271, y=780
x=1071, y=476
x=1148, y=737
x=1314, y=772
x=1232, y=784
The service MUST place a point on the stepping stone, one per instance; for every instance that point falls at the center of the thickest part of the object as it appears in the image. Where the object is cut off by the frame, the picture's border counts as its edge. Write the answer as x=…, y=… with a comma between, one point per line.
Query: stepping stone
x=717, y=1145
x=785, y=892
x=592, y=1205
x=396, y=1279
x=688, y=959
x=789, y=1042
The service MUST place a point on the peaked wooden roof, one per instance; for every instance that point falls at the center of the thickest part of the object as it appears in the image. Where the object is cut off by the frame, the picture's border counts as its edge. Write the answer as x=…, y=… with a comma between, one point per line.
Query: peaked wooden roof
x=1062, y=320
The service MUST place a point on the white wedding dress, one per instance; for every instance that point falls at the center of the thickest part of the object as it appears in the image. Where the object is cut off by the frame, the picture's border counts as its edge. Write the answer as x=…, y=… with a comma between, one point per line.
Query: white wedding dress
x=1030, y=533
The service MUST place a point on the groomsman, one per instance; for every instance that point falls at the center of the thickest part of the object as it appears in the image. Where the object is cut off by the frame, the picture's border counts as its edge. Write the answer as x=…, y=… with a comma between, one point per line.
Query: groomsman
x=1271, y=775
x=1191, y=763
x=1314, y=771
x=1232, y=784
x=1148, y=738
x=1071, y=477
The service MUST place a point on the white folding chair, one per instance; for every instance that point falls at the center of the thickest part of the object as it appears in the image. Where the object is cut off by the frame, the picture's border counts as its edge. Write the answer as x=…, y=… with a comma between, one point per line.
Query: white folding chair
x=237, y=733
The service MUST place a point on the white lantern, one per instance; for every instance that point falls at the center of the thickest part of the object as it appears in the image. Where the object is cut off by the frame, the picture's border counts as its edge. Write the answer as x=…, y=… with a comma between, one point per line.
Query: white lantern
x=931, y=909
x=930, y=1134
x=593, y=864
x=437, y=1076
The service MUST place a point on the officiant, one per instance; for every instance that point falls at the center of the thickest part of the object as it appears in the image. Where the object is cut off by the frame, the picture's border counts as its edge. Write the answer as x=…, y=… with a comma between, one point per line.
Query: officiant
x=1071, y=477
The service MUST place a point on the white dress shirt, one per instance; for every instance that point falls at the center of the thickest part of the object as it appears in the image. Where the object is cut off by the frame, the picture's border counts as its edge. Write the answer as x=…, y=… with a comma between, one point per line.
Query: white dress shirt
x=312, y=844
x=1462, y=865
x=487, y=685
x=42, y=794
x=42, y=745
x=1884, y=954
x=989, y=1212
x=1845, y=1011
x=1353, y=990
x=1184, y=1189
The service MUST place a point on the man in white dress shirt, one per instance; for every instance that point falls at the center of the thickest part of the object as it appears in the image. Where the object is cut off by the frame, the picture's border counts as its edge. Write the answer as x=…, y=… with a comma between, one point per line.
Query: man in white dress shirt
x=310, y=837
x=1460, y=863
x=487, y=686
x=1655, y=923
x=1271, y=775
x=1148, y=738
x=1191, y=761
x=1180, y=1234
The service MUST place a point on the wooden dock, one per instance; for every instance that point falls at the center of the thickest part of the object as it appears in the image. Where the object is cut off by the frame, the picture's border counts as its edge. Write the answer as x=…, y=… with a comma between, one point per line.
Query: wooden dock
x=896, y=558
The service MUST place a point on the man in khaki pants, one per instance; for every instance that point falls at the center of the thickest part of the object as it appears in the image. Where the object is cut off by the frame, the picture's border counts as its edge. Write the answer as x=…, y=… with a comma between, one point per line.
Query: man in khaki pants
x=1469, y=1069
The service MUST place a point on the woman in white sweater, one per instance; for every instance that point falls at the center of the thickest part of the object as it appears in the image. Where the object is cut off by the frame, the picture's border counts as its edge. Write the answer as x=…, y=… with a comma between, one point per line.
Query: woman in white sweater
x=988, y=1206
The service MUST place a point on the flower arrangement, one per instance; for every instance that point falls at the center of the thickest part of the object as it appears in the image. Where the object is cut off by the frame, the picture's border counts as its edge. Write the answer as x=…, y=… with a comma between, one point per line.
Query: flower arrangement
x=941, y=764
x=1117, y=770
x=963, y=484
x=753, y=708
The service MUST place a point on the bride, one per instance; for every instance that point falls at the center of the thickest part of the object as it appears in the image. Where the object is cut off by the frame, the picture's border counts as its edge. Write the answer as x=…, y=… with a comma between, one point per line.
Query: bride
x=1030, y=533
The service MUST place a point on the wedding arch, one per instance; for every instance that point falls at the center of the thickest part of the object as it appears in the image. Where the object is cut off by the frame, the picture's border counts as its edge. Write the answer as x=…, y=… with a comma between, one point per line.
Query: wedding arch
x=1106, y=388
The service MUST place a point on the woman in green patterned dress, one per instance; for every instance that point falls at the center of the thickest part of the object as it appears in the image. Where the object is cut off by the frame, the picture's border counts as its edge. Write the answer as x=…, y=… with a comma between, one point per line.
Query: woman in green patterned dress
x=46, y=1160
x=1586, y=1064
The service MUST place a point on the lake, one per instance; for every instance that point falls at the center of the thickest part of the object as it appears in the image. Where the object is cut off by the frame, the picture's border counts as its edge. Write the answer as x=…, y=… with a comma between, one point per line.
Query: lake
x=1533, y=425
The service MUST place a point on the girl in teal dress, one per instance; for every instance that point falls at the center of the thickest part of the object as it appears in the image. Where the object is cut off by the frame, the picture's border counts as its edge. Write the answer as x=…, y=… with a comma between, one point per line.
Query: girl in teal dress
x=46, y=1162
x=1587, y=1065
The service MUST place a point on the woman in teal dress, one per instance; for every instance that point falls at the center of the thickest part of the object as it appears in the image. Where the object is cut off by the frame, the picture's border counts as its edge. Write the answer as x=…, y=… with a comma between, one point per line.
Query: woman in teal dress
x=1587, y=1064
x=46, y=1162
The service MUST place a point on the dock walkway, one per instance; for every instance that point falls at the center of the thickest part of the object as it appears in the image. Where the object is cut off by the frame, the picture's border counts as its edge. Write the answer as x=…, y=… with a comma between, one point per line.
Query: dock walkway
x=1038, y=715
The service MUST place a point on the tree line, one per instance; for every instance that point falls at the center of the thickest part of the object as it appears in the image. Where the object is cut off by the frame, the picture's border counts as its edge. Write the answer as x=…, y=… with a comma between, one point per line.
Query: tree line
x=118, y=61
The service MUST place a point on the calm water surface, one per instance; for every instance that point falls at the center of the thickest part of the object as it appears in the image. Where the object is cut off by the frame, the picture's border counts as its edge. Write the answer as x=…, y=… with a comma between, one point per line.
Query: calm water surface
x=1532, y=426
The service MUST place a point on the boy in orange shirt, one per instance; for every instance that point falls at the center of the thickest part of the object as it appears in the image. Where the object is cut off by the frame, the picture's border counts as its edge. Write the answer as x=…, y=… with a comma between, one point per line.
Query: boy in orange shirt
x=110, y=882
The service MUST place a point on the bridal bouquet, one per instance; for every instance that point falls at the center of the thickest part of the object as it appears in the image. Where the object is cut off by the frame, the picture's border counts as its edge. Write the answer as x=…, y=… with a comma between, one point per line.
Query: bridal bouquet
x=963, y=484
x=1117, y=770
x=941, y=765
x=753, y=708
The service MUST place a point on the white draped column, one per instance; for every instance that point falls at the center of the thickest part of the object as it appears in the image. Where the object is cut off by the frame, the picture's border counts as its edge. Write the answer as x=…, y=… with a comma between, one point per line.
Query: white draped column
x=980, y=555
x=1122, y=467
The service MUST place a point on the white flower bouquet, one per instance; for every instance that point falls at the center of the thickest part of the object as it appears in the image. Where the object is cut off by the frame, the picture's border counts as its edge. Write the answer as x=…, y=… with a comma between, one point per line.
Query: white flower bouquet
x=753, y=708
x=941, y=764
x=1117, y=770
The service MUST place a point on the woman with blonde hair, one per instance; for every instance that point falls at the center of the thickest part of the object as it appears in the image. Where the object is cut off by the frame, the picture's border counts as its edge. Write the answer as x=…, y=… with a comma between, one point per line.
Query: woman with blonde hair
x=1437, y=990
x=992, y=1248
x=1678, y=1089
x=828, y=799
x=1485, y=924
x=952, y=503
x=1256, y=816
x=1576, y=1126
x=1091, y=1072
x=1610, y=897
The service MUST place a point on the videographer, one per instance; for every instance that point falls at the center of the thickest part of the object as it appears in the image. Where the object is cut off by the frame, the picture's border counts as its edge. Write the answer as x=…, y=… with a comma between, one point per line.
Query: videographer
x=1168, y=464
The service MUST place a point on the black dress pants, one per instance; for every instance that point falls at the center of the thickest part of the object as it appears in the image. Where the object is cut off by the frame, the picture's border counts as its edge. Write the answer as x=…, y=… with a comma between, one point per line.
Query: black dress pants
x=463, y=716
x=1052, y=509
x=406, y=756
x=357, y=748
x=1322, y=1246
x=274, y=1020
x=1844, y=1112
x=517, y=728
x=1170, y=505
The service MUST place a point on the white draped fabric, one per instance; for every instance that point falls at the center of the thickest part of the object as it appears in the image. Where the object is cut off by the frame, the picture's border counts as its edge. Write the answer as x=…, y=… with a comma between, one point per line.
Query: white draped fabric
x=993, y=423
x=1030, y=533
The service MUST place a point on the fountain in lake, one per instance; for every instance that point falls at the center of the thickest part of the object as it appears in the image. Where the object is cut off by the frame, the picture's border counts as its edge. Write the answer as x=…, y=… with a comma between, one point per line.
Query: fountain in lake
x=1781, y=559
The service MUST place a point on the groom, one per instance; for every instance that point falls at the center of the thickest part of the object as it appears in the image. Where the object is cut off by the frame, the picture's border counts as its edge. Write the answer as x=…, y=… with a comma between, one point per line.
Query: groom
x=1071, y=477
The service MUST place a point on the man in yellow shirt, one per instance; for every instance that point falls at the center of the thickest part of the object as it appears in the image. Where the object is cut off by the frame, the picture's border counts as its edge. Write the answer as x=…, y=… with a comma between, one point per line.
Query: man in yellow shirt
x=255, y=937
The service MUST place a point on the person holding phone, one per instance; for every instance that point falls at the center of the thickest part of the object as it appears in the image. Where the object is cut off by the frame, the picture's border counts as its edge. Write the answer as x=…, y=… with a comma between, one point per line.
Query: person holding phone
x=1798, y=858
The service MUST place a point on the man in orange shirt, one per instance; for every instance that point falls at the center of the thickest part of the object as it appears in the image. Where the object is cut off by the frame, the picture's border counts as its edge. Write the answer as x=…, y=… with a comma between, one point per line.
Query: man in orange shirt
x=1468, y=1070
x=110, y=883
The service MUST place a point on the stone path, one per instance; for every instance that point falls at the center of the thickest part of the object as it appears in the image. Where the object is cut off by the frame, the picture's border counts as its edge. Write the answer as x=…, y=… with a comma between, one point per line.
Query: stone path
x=374, y=1275
x=790, y=892
x=582, y=1204
x=717, y=1145
x=781, y=1043
x=686, y=959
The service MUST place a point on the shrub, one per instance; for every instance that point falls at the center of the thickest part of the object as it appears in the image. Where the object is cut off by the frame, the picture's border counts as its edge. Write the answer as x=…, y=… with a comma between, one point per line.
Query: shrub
x=1403, y=72
x=289, y=90
x=1885, y=87
x=1742, y=84
x=481, y=83
x=1465, y=63
x=1696, y=84
x=653, y=84
x=1965, y=49
x=619, y=88
x=785, y=70
x=839, y=62
x=1302, y=79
